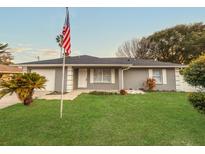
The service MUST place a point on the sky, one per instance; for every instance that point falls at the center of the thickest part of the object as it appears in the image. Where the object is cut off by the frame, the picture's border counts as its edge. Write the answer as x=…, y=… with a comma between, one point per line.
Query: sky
x=31, y=32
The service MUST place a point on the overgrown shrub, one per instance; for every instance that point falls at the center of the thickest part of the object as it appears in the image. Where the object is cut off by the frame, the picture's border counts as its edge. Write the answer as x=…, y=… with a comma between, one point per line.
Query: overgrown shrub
x=123, y=92
x=150, y=84
x=103, y=93
x=197, y=99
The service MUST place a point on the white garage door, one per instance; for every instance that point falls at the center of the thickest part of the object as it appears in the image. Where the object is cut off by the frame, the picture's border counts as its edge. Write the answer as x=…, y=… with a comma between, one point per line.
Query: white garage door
x=50, y=76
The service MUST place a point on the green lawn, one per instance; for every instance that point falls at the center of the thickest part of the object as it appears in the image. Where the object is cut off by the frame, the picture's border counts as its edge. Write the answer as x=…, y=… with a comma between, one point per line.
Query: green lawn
x=150, y=119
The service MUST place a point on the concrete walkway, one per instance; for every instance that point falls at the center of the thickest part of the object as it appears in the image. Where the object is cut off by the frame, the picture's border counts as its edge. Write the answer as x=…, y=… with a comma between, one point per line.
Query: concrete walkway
x=68, y=96
x=10, y=100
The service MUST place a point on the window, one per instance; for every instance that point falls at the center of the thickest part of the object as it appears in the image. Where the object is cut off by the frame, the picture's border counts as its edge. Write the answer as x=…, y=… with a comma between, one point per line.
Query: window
x=102, y=75
x=157, y=75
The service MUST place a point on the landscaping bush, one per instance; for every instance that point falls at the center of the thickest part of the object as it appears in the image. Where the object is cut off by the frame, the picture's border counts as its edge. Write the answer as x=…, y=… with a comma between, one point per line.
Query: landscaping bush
x=150, y=84
x=103, y=93
x=195, y=73
x=123, y=92
x=198, y=101
x=23, y=85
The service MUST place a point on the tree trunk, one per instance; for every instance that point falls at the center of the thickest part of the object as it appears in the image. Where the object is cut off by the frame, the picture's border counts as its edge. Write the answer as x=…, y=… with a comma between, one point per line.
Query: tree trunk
x=29, y=99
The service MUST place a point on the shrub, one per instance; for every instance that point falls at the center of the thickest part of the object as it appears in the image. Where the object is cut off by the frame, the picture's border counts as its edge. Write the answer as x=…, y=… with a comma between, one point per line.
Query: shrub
x=197, y=100
x=194, y=74
x=103, y=93
x=123, y=92
x=23, y=85
x=150, y=84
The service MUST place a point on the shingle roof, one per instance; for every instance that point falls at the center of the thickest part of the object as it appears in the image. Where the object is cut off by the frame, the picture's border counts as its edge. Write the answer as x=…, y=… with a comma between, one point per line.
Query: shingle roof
x=85, y=59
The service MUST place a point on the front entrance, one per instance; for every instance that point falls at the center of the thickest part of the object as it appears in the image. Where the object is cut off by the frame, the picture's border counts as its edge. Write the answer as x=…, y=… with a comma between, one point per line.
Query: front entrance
x=82, y=78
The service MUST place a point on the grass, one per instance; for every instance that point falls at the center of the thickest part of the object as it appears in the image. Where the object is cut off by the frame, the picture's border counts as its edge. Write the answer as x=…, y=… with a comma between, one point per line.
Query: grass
x=150, y=119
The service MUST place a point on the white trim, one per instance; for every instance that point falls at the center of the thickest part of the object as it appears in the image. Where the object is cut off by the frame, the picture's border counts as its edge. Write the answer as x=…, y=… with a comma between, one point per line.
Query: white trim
x=112, y=75
x=107, y=65
x=150, y=73
x=123, y=76
x=91, y=75
x=102, y=77
x=69, y=87
x=82, y=78
x=164, y=76
x=60, y=65
x=158, y=66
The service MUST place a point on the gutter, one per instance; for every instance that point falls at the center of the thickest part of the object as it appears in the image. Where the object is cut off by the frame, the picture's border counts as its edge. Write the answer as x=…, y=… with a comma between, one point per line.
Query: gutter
x=123, y=75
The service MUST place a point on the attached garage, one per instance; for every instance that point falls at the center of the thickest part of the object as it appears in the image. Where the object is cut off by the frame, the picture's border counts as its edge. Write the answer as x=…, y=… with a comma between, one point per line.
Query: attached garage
x=50, y=76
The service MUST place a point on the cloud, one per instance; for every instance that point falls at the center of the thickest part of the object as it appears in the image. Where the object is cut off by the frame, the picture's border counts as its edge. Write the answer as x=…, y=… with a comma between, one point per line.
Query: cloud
x=75, y=53
x=19, y=49
x=49, y=52
x=24, y=44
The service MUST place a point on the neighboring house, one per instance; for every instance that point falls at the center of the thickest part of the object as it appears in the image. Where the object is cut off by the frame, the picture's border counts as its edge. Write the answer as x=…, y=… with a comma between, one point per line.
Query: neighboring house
x=6, y=71
x=88, y=72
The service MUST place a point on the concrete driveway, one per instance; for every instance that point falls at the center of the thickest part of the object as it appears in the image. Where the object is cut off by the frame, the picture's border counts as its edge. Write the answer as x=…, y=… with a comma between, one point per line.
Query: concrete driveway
x=8, y=100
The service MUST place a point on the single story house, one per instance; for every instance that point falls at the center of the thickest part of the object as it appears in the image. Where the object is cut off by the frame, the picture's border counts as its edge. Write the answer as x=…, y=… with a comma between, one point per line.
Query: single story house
x=94, y=73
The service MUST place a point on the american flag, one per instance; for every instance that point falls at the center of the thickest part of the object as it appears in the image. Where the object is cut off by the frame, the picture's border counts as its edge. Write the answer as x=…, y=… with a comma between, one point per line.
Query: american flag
x=66, y=35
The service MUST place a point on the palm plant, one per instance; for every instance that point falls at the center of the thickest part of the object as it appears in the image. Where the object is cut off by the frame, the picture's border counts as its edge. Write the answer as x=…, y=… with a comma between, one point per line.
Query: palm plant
x=59, y=40
x=23, y=85
x=5, y=56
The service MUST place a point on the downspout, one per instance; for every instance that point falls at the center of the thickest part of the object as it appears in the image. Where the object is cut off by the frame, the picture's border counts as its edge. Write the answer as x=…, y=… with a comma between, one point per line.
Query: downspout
x=123, y=75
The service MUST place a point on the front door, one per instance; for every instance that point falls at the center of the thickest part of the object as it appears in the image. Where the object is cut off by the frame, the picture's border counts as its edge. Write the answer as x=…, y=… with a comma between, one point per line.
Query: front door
x=82, y=78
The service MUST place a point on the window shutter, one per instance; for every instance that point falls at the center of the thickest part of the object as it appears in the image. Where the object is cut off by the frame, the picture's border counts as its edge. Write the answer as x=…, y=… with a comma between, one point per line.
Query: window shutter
x=113, y=75
x=150, y=71
x=91, y=75
x=164, y=76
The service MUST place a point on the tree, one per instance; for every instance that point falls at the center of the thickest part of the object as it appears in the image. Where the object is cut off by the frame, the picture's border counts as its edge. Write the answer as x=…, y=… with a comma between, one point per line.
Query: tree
x=59, y=40
x=178, y=44
x=23, y=85
x=137, y=48
x=194, y=74
x=5, y=56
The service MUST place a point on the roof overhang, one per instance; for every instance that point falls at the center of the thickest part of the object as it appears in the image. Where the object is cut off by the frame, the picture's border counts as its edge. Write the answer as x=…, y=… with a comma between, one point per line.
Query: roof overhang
x=74, y=65
x=99, y=65
x=10, y=72
x=171, y=66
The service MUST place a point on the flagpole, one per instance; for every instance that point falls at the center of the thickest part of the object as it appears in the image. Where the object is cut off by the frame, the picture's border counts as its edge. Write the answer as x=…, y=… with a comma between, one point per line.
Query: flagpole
x=62, y=86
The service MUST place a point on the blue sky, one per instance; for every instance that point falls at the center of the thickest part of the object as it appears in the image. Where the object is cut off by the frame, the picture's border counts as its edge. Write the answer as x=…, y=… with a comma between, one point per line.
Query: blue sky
x=31, y=32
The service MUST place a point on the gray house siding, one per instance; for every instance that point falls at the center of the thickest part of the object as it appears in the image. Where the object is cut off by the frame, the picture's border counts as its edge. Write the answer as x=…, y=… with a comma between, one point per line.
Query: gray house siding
x=58, y=79
x=75, y=79
x=171, y=81
x=96, y=86
x=135, y=77
x=104, y=86
x=58, y=76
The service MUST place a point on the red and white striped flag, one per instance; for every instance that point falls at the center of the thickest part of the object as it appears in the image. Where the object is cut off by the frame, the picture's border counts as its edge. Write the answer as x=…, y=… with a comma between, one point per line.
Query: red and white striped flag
x=66, y=35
